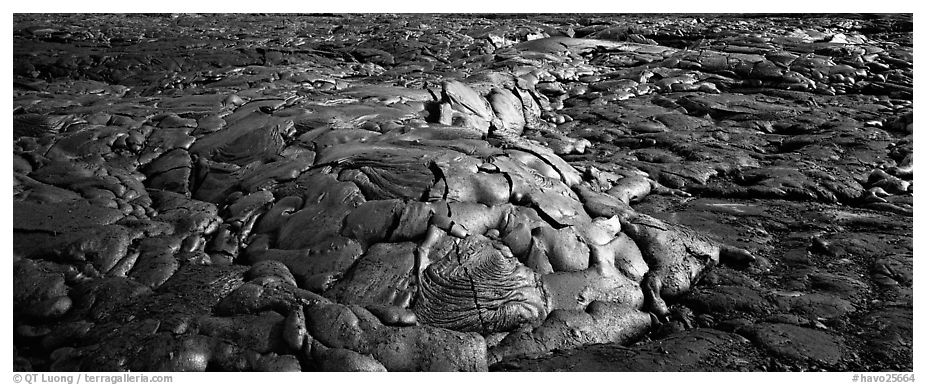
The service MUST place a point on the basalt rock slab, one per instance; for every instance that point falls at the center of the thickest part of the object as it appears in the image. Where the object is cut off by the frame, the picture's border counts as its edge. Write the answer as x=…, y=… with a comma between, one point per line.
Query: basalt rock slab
x=473, y=286
x=326, y=261
x=236, y=142
x=696, y=350
x=62, y=217
x=816, y=305
x=188, y=216
x=676, y=254
x=171, y=172
x=36, y=283
x=892, y=325
x=601, y=282
x=326, y=203
x=380, y=276
x=601, y=322
x=268, y=175
x=383, y=171
x=798, y=343
x=726, y=299
x=261, y=332
x=28, y=189
x=549, y=196
x=101, y=246
x=264, y=295
x=397, y=348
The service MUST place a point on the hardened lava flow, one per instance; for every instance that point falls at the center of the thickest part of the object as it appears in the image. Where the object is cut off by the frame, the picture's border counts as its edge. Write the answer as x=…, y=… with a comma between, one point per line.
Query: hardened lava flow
x=462, y=192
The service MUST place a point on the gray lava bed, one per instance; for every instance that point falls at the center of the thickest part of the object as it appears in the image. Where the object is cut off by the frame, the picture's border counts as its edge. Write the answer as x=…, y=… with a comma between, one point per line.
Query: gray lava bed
x=441, y=192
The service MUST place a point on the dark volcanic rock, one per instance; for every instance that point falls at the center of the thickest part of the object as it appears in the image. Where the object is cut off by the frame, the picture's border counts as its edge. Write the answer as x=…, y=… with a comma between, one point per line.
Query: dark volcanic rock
x=697, y=350
x=798, y=343
x=369, y=192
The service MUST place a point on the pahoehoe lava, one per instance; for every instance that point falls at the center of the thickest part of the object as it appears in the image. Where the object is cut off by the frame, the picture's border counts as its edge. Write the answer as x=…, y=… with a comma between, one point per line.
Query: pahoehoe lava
x=371, y=192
